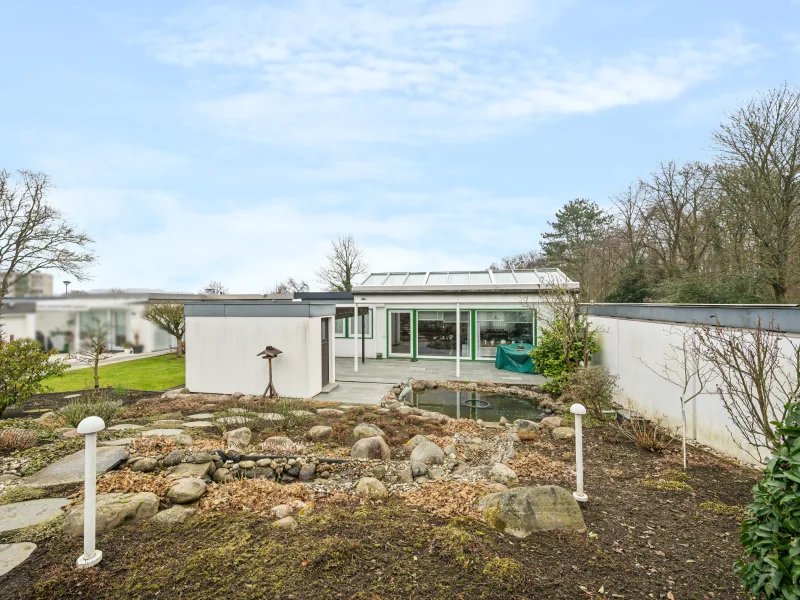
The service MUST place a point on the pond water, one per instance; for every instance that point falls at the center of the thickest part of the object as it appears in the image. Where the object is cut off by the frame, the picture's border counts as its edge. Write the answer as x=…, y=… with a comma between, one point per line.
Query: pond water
x=471, y=405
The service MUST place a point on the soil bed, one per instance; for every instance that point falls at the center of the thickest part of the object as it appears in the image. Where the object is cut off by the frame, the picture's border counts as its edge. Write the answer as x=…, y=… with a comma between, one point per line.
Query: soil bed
x=650, y=533
x=39, y=404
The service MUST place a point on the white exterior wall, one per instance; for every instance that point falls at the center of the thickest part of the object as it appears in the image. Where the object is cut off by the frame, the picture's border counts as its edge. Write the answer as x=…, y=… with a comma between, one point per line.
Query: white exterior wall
x=22, y=326
x=626, y=345
x=221, y=355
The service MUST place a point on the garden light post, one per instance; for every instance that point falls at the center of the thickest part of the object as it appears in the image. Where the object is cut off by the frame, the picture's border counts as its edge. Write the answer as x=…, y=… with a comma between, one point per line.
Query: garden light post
x=89, y=428
x=66, y=287
x=579, y=410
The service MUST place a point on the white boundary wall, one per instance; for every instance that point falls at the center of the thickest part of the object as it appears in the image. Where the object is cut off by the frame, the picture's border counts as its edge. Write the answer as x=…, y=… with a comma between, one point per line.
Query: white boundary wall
x=625, y=344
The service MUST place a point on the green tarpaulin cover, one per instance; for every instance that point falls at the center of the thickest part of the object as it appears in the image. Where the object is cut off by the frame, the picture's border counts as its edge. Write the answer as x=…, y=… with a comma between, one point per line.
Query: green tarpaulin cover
x=514, y=357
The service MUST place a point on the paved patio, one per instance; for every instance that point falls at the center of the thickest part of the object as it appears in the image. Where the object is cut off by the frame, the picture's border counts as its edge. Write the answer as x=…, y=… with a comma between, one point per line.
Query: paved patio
x=375, y=377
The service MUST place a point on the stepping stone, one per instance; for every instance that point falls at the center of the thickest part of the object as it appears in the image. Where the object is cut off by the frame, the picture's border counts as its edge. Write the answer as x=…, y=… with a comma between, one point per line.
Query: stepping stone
x=164, y=432
x=347, y=407
x=12, y=555
x=190, y=470
x=240, y=410
x=31, y=512
x=240, y=421
x=70, y=469
x=125, y=427
x=166, y=424
x=71, y=396
x=199, y=424
x=302, y=413
x=201, y=416
x=271, y=416
x=117, y=442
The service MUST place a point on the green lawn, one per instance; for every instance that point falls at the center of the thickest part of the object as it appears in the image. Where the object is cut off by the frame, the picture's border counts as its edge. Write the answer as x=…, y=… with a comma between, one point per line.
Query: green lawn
x=154, y=373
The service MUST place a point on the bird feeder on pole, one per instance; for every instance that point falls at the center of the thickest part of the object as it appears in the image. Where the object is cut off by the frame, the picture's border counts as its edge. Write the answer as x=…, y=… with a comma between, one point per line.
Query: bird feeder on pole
x=89, y=428
x=579, y=410
x=269, y=353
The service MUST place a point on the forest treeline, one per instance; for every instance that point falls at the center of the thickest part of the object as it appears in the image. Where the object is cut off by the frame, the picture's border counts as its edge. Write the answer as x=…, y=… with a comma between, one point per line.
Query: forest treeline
x=726, y=231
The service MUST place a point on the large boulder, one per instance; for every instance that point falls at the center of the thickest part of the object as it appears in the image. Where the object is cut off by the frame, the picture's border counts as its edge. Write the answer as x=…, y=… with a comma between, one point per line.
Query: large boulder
x=370, y=488
x=374, y=448
x=238, y=438
x=113, y=510
x=145, y=464
x=563, y=433
x=527, y=425
x=175, y=515
x=551, y=422
x=320, y=432
x=415, y=441
x=504, y=474
x=187, y=490
x=429, y=453
x=174, y=458
x=367, y=430
x=524, y=510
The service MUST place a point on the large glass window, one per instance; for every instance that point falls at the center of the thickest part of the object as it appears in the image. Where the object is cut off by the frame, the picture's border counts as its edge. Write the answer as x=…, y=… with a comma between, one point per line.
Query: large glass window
x=498, y=327
x=436, y=333
x=339, y=327
x=400, y=333
x=367, y=326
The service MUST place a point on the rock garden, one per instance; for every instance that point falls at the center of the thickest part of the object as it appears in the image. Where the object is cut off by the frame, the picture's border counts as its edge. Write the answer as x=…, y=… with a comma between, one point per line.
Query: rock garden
x=208, y=496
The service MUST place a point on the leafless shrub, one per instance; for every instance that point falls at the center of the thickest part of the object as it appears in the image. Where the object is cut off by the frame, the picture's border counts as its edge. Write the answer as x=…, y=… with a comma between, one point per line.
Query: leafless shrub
x=758, y=377
x=649, y=434
x=17, y=439
x=594, y=387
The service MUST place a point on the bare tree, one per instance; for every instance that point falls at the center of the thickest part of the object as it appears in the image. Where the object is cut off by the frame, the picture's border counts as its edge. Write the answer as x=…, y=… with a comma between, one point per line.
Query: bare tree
x=169, y=316
x=34, y=236
x=214, y=288
x=290, y=286
x=685, y=367
x=532, y=259
x=758, y=374
x=97, y=351
x=759, y=148
x=345, y=262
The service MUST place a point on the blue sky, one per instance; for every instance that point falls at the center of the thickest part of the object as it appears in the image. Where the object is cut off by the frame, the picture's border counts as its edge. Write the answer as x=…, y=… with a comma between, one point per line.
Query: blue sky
x=233, y=140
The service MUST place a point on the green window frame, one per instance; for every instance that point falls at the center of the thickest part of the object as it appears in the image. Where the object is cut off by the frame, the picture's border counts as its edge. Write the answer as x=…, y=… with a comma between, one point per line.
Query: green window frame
x=347, y=327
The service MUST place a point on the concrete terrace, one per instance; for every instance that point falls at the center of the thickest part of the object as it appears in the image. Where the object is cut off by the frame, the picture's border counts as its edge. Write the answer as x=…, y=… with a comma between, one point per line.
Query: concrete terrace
x=375, y=377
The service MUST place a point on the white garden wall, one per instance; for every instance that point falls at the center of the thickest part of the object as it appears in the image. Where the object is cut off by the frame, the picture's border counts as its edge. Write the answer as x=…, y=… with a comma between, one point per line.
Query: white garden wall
x=626, y=346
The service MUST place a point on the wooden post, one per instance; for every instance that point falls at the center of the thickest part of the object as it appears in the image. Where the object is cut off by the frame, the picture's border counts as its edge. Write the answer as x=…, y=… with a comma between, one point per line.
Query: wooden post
x=363, y=343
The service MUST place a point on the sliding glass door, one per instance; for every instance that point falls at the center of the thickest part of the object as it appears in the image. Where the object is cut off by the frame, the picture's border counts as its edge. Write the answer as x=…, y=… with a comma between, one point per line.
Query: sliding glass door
x=400, y=323
x=436, y=333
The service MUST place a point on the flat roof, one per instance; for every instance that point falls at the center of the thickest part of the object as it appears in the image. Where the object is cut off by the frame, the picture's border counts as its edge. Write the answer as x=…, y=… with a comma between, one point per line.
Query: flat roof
x=449, y=281
x=259, y=308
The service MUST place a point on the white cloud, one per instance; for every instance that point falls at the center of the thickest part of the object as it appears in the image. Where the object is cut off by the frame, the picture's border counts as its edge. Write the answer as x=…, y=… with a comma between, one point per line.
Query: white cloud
x=158, y=240
x=322, y=73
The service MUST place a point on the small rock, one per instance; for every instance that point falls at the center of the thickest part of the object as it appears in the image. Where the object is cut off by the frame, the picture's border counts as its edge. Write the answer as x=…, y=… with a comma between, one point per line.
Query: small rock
x=145, y=465
x=113, y=510
x=374, y=448
x=370, y=488
x=450, y=450
x=415, y=441
x=320, y=432
x=504, y=474
x=526, y=425
x=551, y=422
x=281, y=511
x=187, y=490
x=428, y=453
x=247, y=464
x=367, y=430
x=285, y=523
x=174, y=458
x=222, y=475
x=174, y=515
x=523, y=510
x=68, y=432
x=405, y=475
x=503, y=421
x=183, y=439
x=563, y=433
x=330, y=412
x=264, y=462
x=238, y=438
x=307, y=472
x=435, y=473
x=418, y=469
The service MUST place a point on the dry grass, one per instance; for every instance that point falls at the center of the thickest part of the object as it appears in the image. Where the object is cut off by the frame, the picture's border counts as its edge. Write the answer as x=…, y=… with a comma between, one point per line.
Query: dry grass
x=536, y=466
x=153, y=446
x=448, y=498
x=132, y=481
x=18, y=439
x=527, y=436
x=255, y=495
x=189, y=404
x=466, y=426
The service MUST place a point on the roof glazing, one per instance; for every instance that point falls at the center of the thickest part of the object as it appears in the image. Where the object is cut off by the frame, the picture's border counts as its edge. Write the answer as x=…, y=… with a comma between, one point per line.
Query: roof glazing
x=525, y=278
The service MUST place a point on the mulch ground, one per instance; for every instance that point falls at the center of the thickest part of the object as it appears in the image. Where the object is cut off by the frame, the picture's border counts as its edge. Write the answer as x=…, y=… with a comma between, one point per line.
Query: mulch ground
x=663, y=541
x=36, y=405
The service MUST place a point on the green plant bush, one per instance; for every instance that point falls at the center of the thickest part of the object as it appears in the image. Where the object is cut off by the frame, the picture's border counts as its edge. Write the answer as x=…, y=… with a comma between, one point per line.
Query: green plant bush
x=550, y=359
x=770, y=567
x=23, y=367
x=594, y=387
x=98, y=403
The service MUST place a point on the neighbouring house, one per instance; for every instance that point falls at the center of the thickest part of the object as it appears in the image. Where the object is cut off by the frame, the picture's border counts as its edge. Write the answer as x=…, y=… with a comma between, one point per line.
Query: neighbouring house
x=454, y=316
x=66, y=323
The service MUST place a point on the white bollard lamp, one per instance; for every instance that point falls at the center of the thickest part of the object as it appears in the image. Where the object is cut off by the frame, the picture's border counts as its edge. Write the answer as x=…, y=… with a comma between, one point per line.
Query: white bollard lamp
x=89, y=428
x=579, y=410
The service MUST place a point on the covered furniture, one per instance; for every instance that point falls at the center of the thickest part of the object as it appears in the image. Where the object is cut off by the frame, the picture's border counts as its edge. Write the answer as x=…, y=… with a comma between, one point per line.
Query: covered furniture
x=514, y=357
